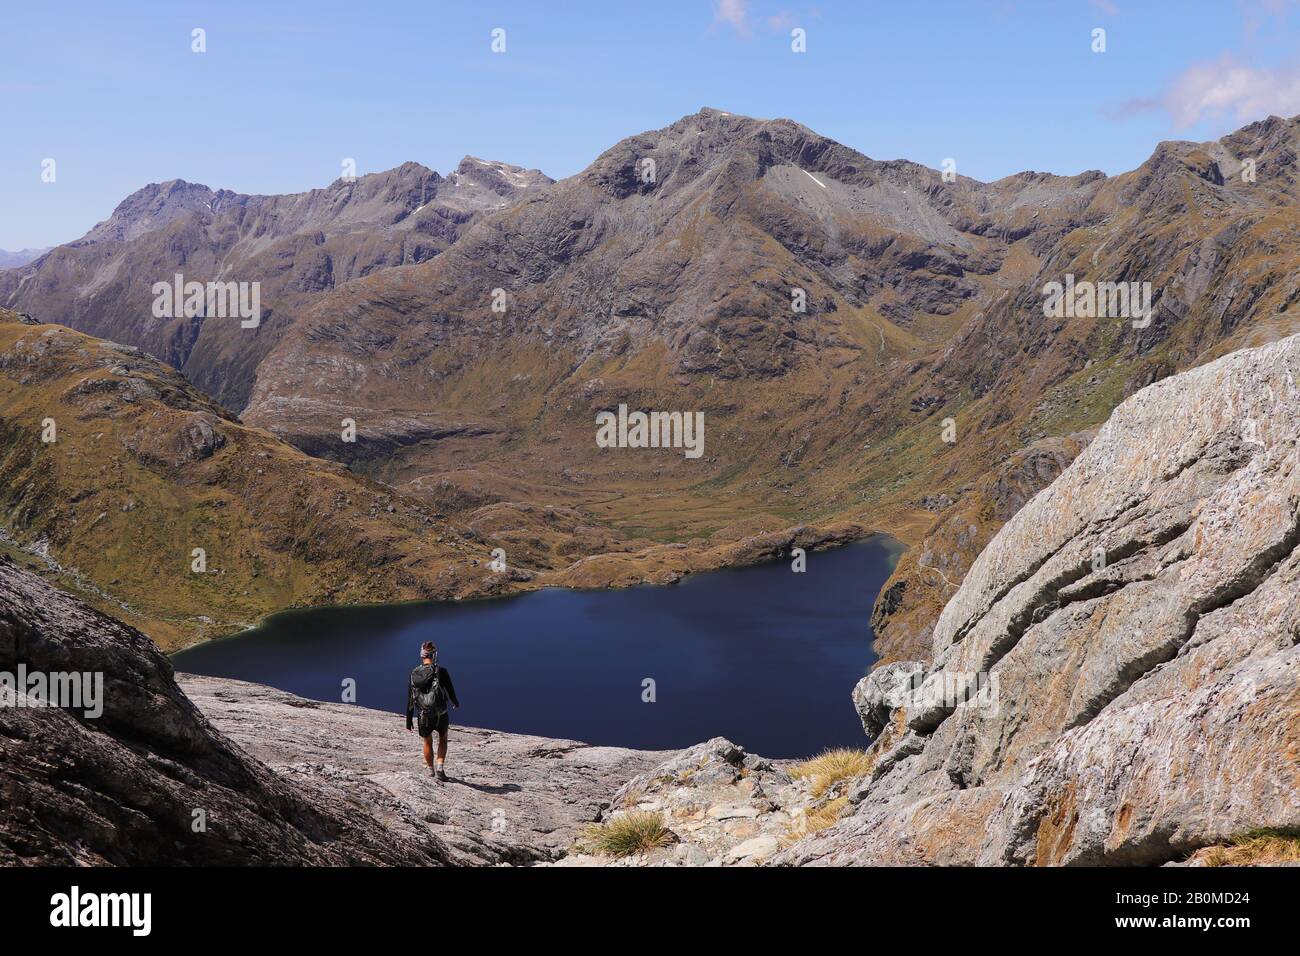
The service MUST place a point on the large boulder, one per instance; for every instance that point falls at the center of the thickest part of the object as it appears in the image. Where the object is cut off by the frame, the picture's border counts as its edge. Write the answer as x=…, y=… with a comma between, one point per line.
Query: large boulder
x=135, y=774
x=878, y=695
x=1135, y=638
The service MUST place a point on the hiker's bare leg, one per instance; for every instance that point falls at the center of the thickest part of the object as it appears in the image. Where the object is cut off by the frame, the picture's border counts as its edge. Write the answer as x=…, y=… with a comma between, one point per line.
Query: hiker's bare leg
x=428, y=749
x=442, y=748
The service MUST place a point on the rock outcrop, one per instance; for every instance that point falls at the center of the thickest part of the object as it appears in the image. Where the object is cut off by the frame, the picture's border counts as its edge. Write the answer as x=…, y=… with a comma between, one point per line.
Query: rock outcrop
x=720, y=806
x=148, y=781
x=929, y=573
x=1117, y=680
x=723, y=807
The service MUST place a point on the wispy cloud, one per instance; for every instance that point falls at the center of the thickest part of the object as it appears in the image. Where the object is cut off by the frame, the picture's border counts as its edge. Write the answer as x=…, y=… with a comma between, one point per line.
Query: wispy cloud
x=733, y=13
x=1255, y=14
x=1225, y=88
x=780, y=22
x=742, y=17
x=1107, y=8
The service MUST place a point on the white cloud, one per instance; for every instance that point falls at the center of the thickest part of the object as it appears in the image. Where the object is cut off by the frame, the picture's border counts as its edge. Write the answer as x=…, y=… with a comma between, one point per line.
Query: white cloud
x=1229, y=88
x=734, y=13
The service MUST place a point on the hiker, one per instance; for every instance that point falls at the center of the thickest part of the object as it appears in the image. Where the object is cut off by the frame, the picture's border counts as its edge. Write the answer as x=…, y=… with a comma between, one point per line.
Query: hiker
x=427, y=697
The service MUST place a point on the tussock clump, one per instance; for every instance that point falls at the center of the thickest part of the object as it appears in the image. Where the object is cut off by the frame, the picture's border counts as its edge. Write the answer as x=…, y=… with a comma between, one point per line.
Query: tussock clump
x=1263, y=847
x=824, y=816
x=627, y=833
x=831, y=767
x=817, y=819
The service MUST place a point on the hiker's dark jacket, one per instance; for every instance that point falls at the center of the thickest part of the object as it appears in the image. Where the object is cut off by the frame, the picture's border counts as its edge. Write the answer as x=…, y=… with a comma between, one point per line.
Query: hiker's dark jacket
x=421, y=678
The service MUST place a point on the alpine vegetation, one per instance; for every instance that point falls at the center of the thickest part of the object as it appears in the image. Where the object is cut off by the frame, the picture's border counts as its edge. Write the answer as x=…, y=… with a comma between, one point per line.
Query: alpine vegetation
x=651, y=430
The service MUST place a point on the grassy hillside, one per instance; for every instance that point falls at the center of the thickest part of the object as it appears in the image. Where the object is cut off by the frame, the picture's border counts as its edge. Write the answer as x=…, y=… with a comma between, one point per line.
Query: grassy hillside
x=143, y=470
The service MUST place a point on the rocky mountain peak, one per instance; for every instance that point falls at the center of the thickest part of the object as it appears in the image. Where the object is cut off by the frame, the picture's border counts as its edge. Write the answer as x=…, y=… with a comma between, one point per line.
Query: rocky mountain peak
x=723, y=146
x=501, y=178
x=11, y=260
x=154, y=206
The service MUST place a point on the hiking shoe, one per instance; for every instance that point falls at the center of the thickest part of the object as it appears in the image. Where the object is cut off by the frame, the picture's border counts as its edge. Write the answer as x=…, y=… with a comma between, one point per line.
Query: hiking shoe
x=441, y=775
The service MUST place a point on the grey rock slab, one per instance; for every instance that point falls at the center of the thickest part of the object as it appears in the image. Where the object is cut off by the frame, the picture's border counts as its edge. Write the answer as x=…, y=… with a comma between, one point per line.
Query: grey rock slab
x=1137, y=624
x=511, y=798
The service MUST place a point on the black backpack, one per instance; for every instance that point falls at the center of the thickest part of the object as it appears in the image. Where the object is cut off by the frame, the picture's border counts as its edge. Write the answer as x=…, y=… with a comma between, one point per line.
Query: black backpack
x=431, y=698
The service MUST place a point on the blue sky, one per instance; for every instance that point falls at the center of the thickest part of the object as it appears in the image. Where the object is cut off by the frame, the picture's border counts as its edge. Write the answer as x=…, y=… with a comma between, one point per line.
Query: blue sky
x=113, y=93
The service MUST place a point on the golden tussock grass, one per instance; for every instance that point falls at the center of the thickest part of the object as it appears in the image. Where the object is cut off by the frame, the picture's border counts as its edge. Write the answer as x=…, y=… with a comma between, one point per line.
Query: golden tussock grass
x=627, y=833
x=832, y=767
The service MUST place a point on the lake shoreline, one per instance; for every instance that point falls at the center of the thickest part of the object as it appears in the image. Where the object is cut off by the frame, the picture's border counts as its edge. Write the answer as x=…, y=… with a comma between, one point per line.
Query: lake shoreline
x=664, y=565
x=765, y=654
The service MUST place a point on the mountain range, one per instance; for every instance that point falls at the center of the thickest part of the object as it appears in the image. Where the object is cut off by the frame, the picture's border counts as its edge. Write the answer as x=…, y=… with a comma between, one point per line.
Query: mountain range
x=866, y=339
x=297, y=246
x=10, y=259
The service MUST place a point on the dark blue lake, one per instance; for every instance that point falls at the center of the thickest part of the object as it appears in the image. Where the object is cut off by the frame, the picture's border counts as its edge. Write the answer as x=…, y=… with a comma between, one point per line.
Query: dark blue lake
x=762, y=655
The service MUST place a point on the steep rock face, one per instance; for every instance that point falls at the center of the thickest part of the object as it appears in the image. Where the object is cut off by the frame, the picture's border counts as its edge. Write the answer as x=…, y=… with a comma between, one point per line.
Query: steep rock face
x=148, y=781
x=296, y=246
x=1135, y=633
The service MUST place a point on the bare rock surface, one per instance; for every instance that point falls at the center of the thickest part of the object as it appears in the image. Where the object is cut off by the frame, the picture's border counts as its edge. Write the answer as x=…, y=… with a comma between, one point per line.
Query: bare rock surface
x=511, y=798
x=1137, y=626
x=721, y=805
x=149, y=781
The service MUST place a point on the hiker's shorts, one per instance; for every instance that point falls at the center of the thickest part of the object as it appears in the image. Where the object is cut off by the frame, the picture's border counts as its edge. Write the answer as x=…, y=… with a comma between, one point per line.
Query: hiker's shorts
x=428, y=723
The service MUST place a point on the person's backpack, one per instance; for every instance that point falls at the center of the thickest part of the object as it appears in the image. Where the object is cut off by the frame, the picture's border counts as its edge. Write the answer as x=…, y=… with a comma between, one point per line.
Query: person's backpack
x=432, y=697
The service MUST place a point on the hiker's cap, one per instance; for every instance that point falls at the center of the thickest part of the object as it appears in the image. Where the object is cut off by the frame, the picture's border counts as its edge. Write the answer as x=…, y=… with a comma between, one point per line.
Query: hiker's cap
x=427, y=649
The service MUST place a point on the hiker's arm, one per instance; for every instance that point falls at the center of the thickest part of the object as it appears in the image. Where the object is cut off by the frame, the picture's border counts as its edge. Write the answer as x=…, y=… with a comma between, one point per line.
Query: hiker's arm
x=451, y=688
x=410, y=703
